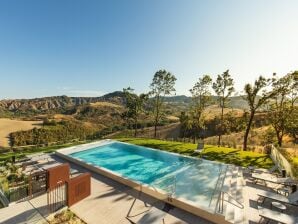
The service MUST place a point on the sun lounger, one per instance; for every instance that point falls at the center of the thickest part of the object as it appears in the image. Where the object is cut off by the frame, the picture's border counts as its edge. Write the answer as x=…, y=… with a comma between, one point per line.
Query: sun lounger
x=268, y=215
x=35, y=155
x=28, y=163
x=24, y=159
x=41, y=157
x=292, y=199
x=271, y=170
x=263, y=177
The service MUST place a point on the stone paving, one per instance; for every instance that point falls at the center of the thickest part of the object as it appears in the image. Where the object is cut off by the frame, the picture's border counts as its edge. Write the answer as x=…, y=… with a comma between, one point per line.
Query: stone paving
x=110, y=202
x=250, y=201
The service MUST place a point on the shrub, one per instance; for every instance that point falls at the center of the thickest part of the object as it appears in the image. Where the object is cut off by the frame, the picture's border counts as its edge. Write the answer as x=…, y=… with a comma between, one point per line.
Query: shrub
x=268, y=137
x=13, y=177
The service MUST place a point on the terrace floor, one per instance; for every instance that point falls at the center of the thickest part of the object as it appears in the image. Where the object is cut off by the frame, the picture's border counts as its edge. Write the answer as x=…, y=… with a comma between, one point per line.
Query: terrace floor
x=250, y=194
x=110, y=202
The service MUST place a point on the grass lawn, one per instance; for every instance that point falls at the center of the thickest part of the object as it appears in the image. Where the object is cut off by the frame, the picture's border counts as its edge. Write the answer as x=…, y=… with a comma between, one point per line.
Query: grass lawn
x=220, y=154
x=26, y=151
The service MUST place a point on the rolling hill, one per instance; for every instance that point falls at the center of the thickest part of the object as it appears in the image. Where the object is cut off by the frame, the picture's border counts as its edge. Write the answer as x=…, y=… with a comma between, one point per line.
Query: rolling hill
x=62, y=103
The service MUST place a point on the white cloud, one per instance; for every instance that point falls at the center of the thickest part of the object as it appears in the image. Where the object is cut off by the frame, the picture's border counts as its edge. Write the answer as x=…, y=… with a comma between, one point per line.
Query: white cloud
x=70, y=91
x=63, y=88
x=86, y=93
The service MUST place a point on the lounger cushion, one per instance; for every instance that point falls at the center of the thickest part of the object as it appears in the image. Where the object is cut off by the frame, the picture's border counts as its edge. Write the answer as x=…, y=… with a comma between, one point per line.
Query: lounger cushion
x=277, y=216
x=274, y=196
x=292, y=199
x=264, y=177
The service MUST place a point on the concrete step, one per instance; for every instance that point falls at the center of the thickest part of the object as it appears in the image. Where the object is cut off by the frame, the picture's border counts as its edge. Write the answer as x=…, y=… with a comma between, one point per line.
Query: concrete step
x=230, y=212
x=22, y=212
x=233, y=205
x=239, y=191
x=238, y=215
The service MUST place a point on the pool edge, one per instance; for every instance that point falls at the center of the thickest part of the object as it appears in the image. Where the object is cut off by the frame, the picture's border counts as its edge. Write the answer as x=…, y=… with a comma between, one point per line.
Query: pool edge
x=208, y=215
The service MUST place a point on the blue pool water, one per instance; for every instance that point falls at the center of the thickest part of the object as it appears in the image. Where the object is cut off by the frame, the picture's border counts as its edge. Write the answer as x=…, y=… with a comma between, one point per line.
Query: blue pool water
x=195, y=180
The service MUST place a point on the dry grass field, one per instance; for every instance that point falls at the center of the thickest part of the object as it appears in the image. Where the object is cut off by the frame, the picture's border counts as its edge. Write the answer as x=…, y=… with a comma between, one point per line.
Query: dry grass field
x=105, y=104
x=7, y=126
x=214, y=110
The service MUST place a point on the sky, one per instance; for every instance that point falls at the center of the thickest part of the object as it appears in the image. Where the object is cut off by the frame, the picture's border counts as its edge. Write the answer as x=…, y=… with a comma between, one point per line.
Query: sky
x=89, y=48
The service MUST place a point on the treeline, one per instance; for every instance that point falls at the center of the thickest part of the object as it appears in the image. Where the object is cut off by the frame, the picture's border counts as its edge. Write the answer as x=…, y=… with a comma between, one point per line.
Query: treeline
x=276, y=97
x=232, y=124
x=61, y=132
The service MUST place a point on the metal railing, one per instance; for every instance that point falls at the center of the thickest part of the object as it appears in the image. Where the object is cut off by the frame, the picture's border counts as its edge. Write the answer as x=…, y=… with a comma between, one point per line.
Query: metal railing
x=3, y=199
x=56, y=197
x=222, y=194
x=218, y=186
x=221, y=199
x=170, y=189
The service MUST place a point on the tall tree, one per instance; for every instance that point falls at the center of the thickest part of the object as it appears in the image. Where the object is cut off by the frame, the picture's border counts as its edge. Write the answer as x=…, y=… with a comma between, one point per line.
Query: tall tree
x=186, y=124
x=162, y=85
x=134, y=106
x=223, y=87
x=292, y=126
x=255, y=101
x=201, y=96
x=282, y=109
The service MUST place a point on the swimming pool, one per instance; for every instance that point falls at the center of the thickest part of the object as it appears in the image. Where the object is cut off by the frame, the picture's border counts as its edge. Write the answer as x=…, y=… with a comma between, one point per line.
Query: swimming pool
x=195, y=181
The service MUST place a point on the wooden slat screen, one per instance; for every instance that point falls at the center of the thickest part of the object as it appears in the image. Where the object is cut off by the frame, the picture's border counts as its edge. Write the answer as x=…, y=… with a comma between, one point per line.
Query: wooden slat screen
x=58, y=175
x=79, y=188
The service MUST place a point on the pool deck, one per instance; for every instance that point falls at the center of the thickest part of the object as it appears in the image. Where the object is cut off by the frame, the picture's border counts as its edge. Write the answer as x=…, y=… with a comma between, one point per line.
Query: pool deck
x=110, y=202
x=205, y=211
x=250, y=194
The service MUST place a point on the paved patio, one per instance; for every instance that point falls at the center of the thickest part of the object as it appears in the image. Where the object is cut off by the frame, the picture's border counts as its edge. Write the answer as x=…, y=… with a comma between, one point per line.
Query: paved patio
x=250, y=192
x=27, y=212
x=110, y=202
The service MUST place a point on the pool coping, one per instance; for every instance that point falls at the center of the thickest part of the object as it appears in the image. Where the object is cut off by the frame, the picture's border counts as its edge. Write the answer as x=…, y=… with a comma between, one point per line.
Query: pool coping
x=159, y=194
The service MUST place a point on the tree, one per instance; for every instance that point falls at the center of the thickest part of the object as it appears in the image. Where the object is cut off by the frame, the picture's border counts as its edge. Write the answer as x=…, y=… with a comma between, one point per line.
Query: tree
x=255, y=102
x=223, y=87
x=201, y=96
x=292, y=127
x=282, y=109
x=134, y=106
x=162, y=85
x=186, y=124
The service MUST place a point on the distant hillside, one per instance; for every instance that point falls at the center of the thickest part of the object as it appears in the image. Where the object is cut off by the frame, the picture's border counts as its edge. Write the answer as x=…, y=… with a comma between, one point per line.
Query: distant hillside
x=61, y=104
x=236, y=102
x=55, y=103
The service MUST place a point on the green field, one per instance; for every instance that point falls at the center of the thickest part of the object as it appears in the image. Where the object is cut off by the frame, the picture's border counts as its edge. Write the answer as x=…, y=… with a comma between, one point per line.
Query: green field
x=220, y=154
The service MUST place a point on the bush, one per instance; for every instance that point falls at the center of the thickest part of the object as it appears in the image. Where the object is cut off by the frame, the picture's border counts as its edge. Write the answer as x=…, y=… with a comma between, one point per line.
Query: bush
x=13, y=177
x=65, y=131
x=268, y=137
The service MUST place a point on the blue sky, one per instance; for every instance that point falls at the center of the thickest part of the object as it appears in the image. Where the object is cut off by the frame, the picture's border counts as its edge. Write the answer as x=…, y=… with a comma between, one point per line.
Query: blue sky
x=88, y=48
